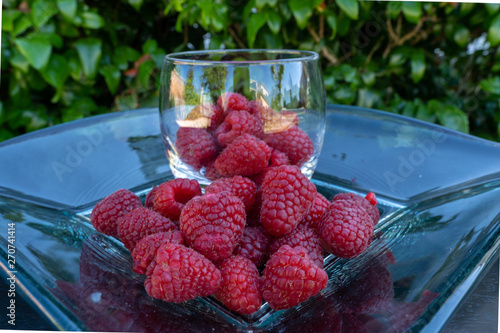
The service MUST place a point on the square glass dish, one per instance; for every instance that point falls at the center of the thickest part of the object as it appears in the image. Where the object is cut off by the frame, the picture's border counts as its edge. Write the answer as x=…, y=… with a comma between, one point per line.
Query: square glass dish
x=438, y=194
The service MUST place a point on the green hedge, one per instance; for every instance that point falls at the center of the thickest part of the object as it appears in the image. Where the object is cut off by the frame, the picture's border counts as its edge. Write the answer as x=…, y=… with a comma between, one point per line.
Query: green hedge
x=67, y=59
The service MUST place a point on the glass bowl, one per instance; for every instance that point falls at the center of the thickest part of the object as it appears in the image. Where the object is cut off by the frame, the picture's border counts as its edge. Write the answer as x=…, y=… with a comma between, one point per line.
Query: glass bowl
x=212, y=99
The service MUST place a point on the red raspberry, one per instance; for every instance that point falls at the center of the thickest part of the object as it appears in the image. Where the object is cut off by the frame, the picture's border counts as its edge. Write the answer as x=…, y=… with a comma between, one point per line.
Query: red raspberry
x=240, y=286
x=213, y=224
x=232, y=101
x=106, y=213
x=205, y=115
x=239, y=186
x=196, y=146
x=287, y=196
x=317, y=209
x=370, y=207
x=278, y=158
x=145, y=250
x=181, y=274
x=254, y=245
x=346, y=229
x=291, y=277
x=253, y=216
x=246, y=156
x=211, y=172
x=294, y=142
x=150, y=197
x=260, y=110
x=236, y=124
x=140, y=223
x=171, y=196
x=301, y=236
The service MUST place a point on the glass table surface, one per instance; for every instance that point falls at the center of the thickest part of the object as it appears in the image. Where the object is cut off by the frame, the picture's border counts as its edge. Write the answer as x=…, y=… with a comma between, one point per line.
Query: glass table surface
x=438, y=194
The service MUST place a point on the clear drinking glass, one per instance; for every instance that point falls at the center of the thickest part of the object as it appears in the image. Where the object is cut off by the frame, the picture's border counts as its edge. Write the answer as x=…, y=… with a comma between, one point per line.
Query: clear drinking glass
x=209, y=99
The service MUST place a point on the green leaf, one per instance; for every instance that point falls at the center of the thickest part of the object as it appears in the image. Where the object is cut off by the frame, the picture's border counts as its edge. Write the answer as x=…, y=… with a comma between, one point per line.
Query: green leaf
x=466, y=8
x=302, y=11
x=331, y=20
x=260, y=3
x=461, y=36
x=92, y=20
x=425, y=114
x=19, y=61
x=273, y=21
x=492, y=8
x=367, y=98
x=368, y=78
x=136, y=4
x=255, y=22
x=494, y=31
x=417, y=65
x=393, y=9
x=454, y=118
x=123, y=55
x=67, y=8
x=36, y=49
x=344, y=95
x=21, y=25
x=145, y=71
x=350, y=7
x=8, y=18
x=112, y=76
x=343, y=24
x=89, y=50
x=75, y=67
x=55, y=74
x=408, y=110
x=491, y=85
x=412, y=11
x=149, y=47
x=42, y=11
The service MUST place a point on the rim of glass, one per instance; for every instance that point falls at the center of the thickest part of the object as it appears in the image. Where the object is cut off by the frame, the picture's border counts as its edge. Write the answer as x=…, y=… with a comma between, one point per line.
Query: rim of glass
x=301, y=56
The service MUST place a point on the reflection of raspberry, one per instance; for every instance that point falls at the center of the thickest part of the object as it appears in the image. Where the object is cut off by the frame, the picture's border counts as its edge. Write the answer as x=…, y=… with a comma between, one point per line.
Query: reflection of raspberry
x=290, y=277
x=211, y=172
x=346, y=229
x=145, y=250
x=236, y=124
x=181, y=274
x=195, y=146
x=240, y=288
x=232, y=101
x=278, y=158
x=140, y=223
x=209, y=115
x=301, y=236
x=239, y=186
x=213, y=224
x=294, y=142
x=370, y=207
x=170, y=197
x=287, y=196
x=246, y=156
x=254, y=245
x=106, y=213
x=317, y=209
x=260, y=110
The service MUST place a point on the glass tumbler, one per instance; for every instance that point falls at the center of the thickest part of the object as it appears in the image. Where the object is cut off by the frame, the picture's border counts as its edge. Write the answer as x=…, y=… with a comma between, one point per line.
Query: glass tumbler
x=237, y=112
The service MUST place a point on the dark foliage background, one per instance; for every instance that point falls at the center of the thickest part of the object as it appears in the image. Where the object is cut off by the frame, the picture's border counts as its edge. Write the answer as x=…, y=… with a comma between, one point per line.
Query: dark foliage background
x=67, y=59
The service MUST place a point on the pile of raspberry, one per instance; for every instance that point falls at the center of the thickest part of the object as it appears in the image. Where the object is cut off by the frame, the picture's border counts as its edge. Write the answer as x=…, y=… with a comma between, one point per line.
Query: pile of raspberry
x=240, y=137
x=242, y=242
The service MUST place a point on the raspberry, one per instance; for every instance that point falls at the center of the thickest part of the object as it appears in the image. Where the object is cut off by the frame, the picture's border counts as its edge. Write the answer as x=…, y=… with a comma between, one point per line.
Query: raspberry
x=106, y=213
x=293, y=142
x=287, y=196
x=290, y=277
x=346, y=229
x=254, y=245
x=232, y=101
x=145, y=250
x=140, y=223
x=370, y=207
x=236, y=124
x=205, y=115
x=213, y=224
x=278, y=158
x=196, y=146
x=319, y=206
x=260, y=110
x=246, y=156
x=181, y=274
x=301, y=236
x=239, y=186
x=211, y=172
x=150, y=197
x=240, y=286
x=170, y=197
x=253, y=216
